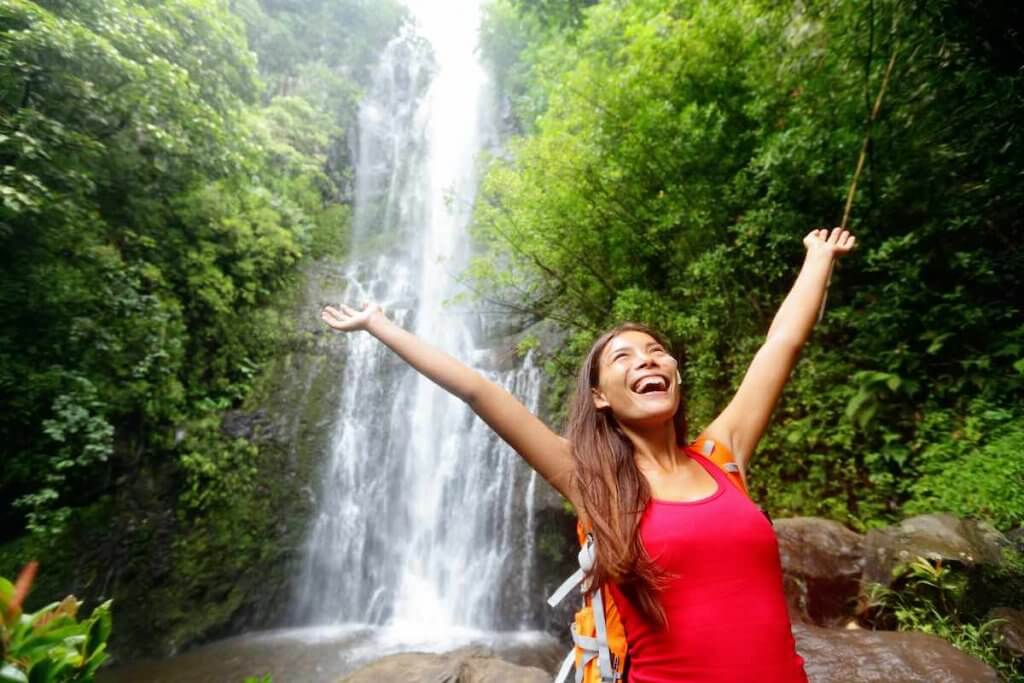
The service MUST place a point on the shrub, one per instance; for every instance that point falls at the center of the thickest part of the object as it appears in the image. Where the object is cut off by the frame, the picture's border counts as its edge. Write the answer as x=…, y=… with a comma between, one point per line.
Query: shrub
x=50, y=645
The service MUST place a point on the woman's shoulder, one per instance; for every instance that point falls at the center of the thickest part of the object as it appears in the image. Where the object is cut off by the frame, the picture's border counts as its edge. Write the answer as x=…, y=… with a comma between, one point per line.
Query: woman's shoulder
x=717, y=451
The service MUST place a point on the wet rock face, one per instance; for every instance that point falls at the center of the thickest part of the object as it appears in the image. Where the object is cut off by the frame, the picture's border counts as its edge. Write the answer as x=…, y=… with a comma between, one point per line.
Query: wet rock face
x=822, y=562
x=860, y=656
x=469, y=665
x=935, y=536
x=557, y=550
x=1016, y=538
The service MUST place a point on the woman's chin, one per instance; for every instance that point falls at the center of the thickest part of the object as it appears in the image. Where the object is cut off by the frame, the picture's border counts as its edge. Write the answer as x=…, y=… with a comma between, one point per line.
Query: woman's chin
x=650, y=413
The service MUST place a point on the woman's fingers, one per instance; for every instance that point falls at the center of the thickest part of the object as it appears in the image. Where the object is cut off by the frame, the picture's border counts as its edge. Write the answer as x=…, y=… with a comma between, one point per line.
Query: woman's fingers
x=336, y=319
x=330, y=320
x=838, y=240
x=345, y=318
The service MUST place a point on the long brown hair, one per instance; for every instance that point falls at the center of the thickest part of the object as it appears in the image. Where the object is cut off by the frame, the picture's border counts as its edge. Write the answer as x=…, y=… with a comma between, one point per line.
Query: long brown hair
x=611, y=488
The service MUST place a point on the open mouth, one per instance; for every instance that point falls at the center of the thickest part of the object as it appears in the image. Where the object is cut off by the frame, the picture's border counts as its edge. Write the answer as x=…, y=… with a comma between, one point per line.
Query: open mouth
x=651, y=384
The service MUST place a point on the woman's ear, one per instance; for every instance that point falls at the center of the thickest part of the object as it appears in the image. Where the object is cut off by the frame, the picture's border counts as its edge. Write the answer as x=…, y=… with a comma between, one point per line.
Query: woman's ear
x=600, y=402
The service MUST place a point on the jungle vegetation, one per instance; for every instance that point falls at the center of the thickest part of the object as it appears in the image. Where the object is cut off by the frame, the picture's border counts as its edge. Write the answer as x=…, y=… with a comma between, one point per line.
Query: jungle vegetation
x=166, y=167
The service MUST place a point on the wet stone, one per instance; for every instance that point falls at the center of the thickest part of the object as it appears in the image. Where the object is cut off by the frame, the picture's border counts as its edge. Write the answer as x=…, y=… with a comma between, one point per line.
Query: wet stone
x=941, y=536
x=468, y=665
x=861, y=656
x=822, y=562
x=1011, y=631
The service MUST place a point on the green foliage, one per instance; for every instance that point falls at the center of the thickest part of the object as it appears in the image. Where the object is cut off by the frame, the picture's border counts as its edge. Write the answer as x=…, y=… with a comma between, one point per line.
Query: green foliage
x=930, y=599
x=160, y=186
x=215, y=470
x=83, y=437
x=558, y=13
x=680, y=153
x=103, y=143
x=151, y=214
x=977, y=472
x=50, y=645
x=339, y=34
x=517, y=45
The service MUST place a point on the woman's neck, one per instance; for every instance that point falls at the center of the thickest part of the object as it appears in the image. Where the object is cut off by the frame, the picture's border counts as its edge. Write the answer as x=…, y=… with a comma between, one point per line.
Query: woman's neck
x=655, y=447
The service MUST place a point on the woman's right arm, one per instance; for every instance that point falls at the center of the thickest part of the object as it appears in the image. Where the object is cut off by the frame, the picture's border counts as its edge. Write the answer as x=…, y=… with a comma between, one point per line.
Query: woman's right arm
x=543, y=449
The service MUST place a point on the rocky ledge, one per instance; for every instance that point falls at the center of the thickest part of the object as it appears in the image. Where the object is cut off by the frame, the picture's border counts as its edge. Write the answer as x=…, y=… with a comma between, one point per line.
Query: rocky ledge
x=467, y=665
x=862, y=656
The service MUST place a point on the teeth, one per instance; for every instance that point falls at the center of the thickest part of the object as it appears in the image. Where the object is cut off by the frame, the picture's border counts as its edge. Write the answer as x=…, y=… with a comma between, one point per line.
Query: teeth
x=647, y=382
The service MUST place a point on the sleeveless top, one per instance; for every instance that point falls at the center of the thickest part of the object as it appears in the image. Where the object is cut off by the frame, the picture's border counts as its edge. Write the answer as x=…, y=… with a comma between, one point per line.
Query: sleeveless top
x=726, y=611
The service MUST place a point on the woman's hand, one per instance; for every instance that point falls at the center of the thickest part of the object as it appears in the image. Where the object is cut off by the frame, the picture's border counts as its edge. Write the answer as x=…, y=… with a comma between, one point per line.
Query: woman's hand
x=837, y=243
x=347, y=319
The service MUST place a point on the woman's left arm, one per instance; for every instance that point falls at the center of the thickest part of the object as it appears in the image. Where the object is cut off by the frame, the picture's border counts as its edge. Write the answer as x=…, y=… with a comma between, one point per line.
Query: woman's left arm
x=745, y=419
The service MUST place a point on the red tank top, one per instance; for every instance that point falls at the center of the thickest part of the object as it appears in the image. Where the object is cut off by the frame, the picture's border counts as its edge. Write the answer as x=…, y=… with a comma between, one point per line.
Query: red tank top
x=727, y=617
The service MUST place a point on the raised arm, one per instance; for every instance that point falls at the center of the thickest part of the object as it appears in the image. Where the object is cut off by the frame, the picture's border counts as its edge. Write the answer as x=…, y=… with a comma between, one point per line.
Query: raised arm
x=745, y=419
x=543, y=449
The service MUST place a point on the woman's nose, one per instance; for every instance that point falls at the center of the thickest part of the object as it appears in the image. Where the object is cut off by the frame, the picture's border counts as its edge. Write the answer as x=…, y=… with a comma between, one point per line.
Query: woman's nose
x=645, y=359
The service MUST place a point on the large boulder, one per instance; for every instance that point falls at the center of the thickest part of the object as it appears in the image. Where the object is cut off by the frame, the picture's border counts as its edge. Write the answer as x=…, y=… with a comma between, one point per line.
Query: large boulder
x=468, y=665
x=861, y=656
x=822, y=562
x=939, y=536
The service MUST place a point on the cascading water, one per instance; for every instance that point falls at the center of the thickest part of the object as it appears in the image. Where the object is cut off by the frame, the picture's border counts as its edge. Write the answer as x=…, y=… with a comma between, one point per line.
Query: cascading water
x=424, y=514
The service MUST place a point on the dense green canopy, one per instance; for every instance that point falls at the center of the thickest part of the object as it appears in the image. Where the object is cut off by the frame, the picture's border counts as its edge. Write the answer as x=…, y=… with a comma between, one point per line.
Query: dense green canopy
x=165, y=166
x=151, y=209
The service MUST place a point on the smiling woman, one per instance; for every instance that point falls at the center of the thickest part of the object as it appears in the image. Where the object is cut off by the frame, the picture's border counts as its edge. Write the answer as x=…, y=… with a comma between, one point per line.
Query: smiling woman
x=692, y=563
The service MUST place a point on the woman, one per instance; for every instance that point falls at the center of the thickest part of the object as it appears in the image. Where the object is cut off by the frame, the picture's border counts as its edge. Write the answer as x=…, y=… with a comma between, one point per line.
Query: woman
x=693, y=564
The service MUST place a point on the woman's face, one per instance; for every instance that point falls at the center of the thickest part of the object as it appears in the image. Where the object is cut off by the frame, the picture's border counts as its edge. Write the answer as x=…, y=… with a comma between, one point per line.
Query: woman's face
x=637, y=380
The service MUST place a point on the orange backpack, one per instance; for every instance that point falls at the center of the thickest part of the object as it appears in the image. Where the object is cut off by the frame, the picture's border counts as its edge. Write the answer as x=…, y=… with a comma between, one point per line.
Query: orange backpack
x=600, y=649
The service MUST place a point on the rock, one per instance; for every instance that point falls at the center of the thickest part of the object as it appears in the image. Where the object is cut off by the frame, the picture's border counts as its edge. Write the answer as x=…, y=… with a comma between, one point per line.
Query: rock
x=468, y=665
x=1016, y=537
x=861, y=656
x=1010, y=632
x=935, y=536
x=822, y=562
x=238, y=424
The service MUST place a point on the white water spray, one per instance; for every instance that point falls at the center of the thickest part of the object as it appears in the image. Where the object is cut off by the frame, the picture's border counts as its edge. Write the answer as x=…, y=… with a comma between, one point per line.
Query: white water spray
x=424, y=516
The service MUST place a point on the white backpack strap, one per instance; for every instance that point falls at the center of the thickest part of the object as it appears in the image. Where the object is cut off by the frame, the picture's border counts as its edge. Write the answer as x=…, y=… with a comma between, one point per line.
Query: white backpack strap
x=604, y=655
x=563, y=671
x=566, y=587
x=586, y=560
x=591, y=648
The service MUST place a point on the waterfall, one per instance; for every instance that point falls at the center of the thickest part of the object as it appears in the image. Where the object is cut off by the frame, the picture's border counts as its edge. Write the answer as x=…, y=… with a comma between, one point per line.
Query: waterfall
x=424, y=515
